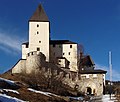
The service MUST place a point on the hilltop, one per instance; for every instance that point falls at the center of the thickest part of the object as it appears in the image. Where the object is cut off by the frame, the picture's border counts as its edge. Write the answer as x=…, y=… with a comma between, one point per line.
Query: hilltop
x=22, y=88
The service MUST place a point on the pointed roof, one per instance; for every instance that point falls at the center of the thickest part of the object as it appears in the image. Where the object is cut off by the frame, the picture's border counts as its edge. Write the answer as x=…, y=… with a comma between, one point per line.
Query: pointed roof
x=39, y=15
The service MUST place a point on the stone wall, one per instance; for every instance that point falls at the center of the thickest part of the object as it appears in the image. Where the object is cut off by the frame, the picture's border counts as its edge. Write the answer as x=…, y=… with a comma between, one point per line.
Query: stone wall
x=94, y=82
x=35, y=62
x=19, y=67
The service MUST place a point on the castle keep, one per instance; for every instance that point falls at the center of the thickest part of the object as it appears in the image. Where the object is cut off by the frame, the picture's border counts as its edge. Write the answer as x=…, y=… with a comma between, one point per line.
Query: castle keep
x=42, y=51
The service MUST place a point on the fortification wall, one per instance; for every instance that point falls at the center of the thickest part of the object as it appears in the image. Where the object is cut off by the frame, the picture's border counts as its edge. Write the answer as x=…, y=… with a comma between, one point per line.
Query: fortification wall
x=34, y=61
x=94, y=83
x=19, y=67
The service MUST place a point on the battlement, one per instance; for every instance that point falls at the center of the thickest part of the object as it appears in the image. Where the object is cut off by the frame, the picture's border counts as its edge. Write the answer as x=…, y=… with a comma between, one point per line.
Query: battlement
x=33, y=53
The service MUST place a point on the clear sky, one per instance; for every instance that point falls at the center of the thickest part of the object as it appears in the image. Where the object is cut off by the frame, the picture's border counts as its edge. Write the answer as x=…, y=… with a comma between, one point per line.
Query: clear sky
x=93, y=23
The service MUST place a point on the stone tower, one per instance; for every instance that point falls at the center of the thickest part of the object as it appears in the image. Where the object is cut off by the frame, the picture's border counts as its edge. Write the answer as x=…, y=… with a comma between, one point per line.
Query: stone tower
x=39, y=30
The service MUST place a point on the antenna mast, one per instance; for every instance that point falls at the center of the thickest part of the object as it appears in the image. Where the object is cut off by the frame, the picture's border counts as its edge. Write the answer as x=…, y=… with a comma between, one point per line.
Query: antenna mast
x=110, y=65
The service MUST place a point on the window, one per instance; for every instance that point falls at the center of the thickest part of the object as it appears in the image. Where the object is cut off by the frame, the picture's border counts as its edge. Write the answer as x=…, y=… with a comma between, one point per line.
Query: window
x=37, y=32
x=37, y=25
x=59, y=60
x=39, y=41
x=38, y=49
x=70, y=46
x=53, y=45
x=68, y=53
x=32, y=53
x=26, y=45
x=28, y=54
x=63, y=53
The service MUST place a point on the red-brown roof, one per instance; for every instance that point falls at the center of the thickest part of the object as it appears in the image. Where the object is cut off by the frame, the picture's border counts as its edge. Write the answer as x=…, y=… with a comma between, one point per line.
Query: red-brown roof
x=39, y=15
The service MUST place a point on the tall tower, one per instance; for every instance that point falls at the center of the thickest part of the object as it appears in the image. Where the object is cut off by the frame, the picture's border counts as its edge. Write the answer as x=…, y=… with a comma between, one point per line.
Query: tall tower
x=39, y=27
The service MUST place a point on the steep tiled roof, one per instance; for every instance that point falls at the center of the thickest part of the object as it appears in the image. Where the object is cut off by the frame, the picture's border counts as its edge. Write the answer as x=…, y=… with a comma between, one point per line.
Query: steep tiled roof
x=86, y=61
x=39, y=15
x=61, y=42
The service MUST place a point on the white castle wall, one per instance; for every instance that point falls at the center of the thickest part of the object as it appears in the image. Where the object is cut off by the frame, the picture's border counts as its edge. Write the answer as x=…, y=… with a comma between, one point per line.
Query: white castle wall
x=71, y=55
x=34, y=61
x=64, y=50
x=39, y=37
x=25, y=51
x=20, y=67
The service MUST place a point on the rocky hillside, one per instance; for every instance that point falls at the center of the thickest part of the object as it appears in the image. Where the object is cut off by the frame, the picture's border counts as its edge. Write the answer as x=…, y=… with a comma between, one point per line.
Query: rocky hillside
x=18, y=88
x=17, y=91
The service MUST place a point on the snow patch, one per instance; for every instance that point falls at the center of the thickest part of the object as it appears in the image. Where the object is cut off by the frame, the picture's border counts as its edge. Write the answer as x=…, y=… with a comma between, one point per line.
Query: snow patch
x=44, y=93
x=8, y=81
x=106, y=98
x=5, y=98
x=8, y=90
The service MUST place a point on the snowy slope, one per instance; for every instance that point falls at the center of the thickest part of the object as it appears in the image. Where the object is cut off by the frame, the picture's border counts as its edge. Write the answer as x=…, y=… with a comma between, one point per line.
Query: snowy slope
x=8, y=81
x=5, y=98
x=44, y=93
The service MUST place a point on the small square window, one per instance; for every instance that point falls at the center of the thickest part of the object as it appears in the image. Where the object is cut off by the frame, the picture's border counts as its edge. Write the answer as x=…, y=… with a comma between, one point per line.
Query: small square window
x=37, y=32
x=37, y=25
x=59, y=60
x=39, y=41
x=70, y=46
x=38, y=49
x=63, y=53
x=68, y=53
x=27, y=45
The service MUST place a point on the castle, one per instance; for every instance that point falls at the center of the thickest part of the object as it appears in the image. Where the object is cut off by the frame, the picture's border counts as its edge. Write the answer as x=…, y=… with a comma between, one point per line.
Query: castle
x=64, y=53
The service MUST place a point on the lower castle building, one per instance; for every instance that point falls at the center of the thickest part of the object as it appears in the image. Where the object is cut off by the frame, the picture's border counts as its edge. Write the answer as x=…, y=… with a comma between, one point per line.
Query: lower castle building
x=63, y=54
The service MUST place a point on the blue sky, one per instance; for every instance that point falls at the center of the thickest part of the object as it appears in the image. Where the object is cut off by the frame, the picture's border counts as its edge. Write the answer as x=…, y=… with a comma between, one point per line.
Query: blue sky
x=93, y=23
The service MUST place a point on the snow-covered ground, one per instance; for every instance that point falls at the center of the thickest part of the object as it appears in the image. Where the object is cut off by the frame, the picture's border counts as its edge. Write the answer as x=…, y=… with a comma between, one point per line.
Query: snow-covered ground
x=8, y=81
x=5, y=98
x=44, y=93
x=9, y=90
x=106, y=98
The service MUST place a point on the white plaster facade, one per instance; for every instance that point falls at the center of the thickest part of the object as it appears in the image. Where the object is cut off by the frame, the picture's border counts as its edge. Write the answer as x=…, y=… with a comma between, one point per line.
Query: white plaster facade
x=25, y=50
x=38, y=34
x=39, y=37
x=71, y=55
x=68, y=50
